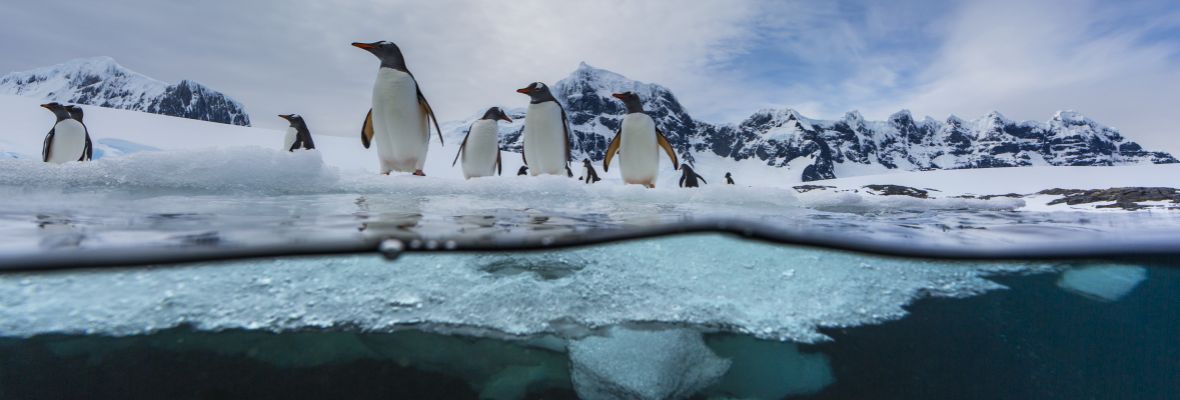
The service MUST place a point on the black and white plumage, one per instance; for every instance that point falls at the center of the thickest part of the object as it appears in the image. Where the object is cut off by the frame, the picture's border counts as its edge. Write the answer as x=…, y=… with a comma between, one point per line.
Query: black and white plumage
x=728, y=179
x=546, y=137
x=589, y=175
x=480, y=150
x=298, y=136
x=689, y=178
x=69, y=139
x=641, y=141
x=399, y=119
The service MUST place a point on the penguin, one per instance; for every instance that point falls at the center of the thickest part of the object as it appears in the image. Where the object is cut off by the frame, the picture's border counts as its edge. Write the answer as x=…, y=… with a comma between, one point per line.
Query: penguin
x=68, y=140
x=546, y=133
x=524, y=170
x=480, y=149
x=399, y=119
x=77, y=114
x=728, y=179
x=589, y=175
x=298, y=136
x=639, y=136
x=688, y=177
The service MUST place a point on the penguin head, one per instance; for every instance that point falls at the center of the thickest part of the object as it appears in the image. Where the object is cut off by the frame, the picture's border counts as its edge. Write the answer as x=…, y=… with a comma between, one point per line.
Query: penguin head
x=294, y=119
x=495, y=113
x=388, y=52
x=727, y=175
x=57, y=109
x=685, y=168
x=538, y=92
x=631, y=100
x=75, y=112
x=586, y=162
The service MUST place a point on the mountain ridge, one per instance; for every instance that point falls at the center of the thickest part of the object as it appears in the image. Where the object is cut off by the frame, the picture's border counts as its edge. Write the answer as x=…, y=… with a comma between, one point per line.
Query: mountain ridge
x=787, y=138
x=103, y=82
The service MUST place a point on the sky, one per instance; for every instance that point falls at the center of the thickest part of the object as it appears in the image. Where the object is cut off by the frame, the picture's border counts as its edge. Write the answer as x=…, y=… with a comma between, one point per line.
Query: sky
x=1116, y=62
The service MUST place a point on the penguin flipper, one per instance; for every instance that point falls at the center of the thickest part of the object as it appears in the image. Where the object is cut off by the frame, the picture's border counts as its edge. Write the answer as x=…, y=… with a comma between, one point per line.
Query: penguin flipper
x=701, y=178
x=565, y=126
x=426, y=109
x=367, y=129
x=48, y=143
x=663, y=142
x=499, y=164
x=461, y=147
x=611, y=149
x=682, y=178
x=296, y=144
x=88, y=151
x=305, y=134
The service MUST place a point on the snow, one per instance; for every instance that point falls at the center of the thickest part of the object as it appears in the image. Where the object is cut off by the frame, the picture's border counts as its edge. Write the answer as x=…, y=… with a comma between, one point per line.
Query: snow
x=705, y=281
x=1022, y=180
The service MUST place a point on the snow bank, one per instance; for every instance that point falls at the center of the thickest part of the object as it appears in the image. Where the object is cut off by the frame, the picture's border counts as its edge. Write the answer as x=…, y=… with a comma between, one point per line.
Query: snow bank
x=1021, y=180
x=768, y=291
x=859, y=202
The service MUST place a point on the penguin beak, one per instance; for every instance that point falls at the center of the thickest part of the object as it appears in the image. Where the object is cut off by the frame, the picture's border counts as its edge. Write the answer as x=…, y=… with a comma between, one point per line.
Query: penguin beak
x=45, y=106
x=365, y=46
x=286, y=117
x=524, y=90
x=617, y=96
x=505, y=117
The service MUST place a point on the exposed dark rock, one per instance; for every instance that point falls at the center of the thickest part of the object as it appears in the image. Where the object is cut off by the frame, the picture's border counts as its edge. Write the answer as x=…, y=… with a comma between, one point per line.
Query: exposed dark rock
x=808, y=188
x=896, y=190
x=1127, y=198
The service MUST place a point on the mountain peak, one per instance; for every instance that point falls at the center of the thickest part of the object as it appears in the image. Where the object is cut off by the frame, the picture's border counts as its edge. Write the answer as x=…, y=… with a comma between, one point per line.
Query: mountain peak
x=101, y=81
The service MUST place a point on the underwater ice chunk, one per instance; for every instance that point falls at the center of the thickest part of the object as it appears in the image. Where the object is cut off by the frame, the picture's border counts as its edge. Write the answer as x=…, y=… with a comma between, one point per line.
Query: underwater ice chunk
x=639, y=364
x=1104, y=283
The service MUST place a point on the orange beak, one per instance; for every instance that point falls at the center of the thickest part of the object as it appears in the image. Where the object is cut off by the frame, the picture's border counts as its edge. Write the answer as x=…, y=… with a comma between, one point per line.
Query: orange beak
x=617, y=95
x=524, y=90
x=505, y=117
x=45, y=106
x=284, y=116
x=365, y=46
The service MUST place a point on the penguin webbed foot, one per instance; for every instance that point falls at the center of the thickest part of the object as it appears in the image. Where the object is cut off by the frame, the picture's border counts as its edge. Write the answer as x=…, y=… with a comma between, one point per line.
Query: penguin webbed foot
x=419, y=173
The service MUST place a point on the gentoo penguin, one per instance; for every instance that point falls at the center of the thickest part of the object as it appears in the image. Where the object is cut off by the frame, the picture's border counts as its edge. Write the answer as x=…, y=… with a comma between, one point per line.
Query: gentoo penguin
x=298, y=136
x=76, y=113
x=638, y=136
x=728, y=179
x=398, y=119
x=589, y=175
x=68, y=140
x=546, y=133
x=688, y=177
x=480, y=149
x=524, y=170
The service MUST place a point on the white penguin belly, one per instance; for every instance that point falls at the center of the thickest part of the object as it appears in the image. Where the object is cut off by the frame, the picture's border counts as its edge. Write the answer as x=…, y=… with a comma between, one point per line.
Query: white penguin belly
x=69, y=140
x=639, y=158
x=400, y=131
x=289, y=140
x=544, y=139
x=483, y=144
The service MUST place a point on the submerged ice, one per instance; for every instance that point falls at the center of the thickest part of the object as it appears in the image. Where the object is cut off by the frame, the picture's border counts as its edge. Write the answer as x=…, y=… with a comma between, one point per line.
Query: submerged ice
x=706, y=281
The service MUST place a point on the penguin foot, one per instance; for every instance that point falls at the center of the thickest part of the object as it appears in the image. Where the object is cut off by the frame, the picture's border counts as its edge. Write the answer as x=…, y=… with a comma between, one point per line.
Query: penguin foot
x=419, y=173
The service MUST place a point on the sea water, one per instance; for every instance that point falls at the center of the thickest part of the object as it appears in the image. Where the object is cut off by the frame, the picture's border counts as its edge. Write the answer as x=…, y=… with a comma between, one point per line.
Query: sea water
x=1048, y=305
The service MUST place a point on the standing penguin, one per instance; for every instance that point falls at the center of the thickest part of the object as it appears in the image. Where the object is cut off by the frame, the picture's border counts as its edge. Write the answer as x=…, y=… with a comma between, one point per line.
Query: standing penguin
x=728, y=179
x=68, y=140
x=480, y=149
x=589, y=175
x=546, y=133
x=688, y=177
x=639, y=137
x=298, y=136
x=399, y=120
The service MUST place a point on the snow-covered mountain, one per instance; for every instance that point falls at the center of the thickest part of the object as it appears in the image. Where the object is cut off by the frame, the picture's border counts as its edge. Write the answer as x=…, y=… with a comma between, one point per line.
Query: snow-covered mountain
x=100, y=81
x=820, y=149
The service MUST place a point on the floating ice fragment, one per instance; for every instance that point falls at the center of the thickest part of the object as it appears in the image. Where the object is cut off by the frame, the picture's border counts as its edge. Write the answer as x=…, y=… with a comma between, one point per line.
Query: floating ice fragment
x=635, y=364
x=1103, y=283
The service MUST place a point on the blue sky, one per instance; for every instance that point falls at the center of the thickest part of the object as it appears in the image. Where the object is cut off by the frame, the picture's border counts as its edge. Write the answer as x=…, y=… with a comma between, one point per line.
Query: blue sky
x=1113, y=61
